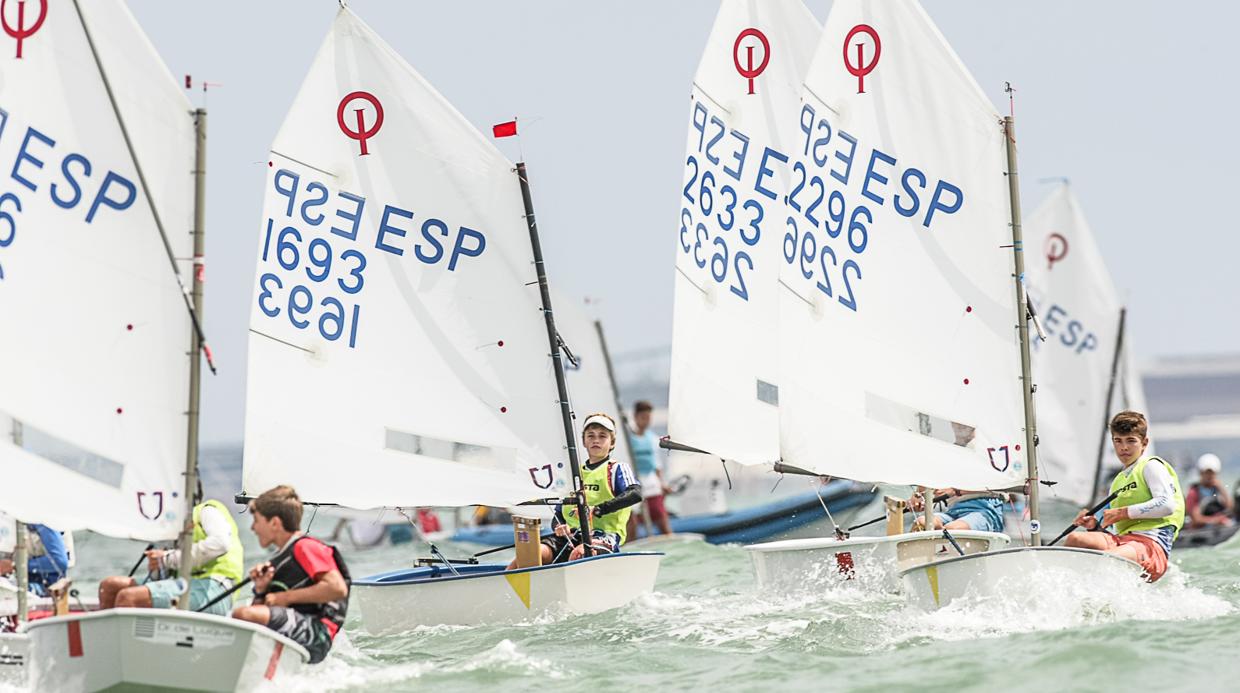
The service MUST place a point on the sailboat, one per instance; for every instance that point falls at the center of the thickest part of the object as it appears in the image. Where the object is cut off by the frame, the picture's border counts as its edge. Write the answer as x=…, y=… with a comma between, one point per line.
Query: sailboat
x=1062, y=358
x=839, y=391
x=400, y=337
x=102, y=221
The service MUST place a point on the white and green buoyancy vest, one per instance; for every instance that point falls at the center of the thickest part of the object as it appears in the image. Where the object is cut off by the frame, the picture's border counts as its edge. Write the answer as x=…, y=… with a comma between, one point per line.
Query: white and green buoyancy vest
x=231, y=564
x=1132, y=489
x=597, y=483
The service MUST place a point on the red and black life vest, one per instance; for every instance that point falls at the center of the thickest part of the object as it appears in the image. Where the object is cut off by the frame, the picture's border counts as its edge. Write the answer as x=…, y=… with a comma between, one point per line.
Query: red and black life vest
x=290, y=575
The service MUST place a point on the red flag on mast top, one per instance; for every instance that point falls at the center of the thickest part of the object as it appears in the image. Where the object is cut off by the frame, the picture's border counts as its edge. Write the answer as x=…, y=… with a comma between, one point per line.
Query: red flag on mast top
x=505, y=129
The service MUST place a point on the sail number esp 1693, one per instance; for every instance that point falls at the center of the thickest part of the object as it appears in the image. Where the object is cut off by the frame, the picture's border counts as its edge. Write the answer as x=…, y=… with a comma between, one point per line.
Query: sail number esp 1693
x=315, y=254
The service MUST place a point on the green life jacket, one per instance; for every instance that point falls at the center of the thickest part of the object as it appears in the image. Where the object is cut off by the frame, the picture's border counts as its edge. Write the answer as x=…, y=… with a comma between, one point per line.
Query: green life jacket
x=231, y=564
x=1130, y=483
x=597, y=483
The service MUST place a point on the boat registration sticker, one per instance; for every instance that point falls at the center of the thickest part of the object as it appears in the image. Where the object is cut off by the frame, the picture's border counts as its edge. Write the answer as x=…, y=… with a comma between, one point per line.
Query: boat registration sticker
x=181, y=634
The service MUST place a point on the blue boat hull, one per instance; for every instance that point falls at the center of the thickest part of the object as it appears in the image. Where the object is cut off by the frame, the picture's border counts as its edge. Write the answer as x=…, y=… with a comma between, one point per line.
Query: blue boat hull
x=759, y=523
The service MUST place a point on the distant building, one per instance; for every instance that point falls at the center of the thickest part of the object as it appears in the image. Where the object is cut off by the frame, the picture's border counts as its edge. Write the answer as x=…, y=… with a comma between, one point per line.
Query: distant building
x=1195, y=408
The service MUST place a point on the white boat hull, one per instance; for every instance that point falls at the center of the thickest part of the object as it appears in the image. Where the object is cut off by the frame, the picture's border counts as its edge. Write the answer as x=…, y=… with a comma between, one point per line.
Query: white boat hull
x=1011, y=571
x=14, y=657
x=402, y=600
x=870, y=561
x=123, y=649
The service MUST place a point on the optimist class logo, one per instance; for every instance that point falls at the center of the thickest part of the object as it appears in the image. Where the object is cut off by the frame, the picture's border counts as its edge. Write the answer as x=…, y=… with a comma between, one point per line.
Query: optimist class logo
x=1056, y=249
x=862, y=68
x=748, y=70
x=22, y=32
x=362, y=133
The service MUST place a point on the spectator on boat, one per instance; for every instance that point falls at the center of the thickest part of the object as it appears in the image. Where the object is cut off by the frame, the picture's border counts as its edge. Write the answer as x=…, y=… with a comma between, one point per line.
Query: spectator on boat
x=645, y=446
x=1207, y=501
x=977, y=510
x=48, y=561
x=302, y=593
x=611, y=491
x=1148, y=513
x=218, y=561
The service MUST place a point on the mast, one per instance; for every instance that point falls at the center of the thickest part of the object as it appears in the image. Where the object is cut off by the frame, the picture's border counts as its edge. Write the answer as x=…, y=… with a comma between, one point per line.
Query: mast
x=1106, y=414
x=1022, y=327
x=611, y=377
x=20, y=551
x=186, y=540
x=553, y=340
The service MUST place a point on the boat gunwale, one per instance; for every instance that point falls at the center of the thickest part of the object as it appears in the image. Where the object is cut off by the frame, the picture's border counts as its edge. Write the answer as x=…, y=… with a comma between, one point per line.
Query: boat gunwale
x=213, y=619
x=819, y=543
x=1018, y=549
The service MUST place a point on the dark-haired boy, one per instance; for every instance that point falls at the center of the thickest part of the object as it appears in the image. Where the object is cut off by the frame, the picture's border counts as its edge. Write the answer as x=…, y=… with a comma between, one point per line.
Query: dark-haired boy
x=303, y=592
x=1148, y=513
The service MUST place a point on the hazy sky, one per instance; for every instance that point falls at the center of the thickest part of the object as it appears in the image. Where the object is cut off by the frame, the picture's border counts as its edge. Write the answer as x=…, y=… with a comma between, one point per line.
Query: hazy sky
x=1131, y=100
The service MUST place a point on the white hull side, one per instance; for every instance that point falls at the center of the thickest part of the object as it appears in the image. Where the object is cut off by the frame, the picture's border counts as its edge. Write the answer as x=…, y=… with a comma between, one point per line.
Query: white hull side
x=1011, y=571
x=581, y=587
x=156, y=648
x=873, y=562
x=14, y=657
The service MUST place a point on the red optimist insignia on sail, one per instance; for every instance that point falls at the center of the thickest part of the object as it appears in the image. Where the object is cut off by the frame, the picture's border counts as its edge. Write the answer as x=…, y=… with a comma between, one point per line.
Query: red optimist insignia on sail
x=862, y=68
x=21, y=32
x=505, y=129
x=362, y=133
x=750, y=71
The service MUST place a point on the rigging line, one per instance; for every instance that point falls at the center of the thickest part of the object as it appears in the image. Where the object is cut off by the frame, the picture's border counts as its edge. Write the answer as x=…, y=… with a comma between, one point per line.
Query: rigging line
x=146, y=191
x=824, y=507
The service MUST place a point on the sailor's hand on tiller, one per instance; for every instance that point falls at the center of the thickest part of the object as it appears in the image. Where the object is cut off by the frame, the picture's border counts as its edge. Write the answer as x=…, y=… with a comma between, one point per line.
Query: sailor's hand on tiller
x=915, y=503
x=1112, y=515
x=1084, y=519
x=153, y=559
x=261, y=574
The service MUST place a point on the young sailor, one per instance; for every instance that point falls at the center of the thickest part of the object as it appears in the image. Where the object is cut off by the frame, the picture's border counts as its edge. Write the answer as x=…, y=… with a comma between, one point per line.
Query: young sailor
x=217, y=558
x=1148, y=513
x=976, y=510
x=645, y=446
x=303, y=592
x=1207, y=501
x=611, y=491
x=49, y=561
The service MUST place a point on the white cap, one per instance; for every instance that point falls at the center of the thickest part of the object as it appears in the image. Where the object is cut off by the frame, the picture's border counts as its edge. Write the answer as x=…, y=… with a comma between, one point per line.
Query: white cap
x=600, y=420
x=1209, y=462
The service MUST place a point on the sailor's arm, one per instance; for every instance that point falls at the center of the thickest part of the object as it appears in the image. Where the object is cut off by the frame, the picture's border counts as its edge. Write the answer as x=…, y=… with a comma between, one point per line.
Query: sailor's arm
x=211, y=547
x=327, y=587
x=628, y=492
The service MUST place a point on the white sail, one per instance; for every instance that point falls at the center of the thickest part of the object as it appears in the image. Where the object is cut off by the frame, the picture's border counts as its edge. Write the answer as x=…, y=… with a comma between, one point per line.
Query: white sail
x=94, y=331
x=724, y=390
x=1076, y=302
x=589, y=384
x=900, y=359
x=398, y=353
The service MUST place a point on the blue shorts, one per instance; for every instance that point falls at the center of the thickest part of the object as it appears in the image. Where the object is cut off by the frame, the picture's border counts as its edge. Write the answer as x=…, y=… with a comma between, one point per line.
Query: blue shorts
x=201, y=591
x=981, y=514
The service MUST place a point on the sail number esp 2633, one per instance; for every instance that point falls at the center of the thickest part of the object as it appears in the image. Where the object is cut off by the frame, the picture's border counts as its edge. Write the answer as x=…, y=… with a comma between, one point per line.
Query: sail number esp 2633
x=734, y=192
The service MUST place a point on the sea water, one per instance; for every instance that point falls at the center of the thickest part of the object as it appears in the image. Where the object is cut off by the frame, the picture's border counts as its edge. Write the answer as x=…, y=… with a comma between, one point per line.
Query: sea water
x=708, y=627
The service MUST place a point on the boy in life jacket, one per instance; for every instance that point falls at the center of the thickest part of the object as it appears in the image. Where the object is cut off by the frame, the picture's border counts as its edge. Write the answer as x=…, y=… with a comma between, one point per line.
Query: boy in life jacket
x=218, y=562
x=611, y=491
x=302, y=593
x=1208, y=502
x=1148, y=513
